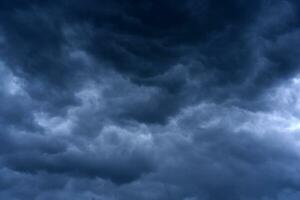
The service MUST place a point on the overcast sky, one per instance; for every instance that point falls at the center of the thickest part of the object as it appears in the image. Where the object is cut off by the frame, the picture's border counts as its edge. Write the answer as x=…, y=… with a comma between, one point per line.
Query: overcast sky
x=150, y=100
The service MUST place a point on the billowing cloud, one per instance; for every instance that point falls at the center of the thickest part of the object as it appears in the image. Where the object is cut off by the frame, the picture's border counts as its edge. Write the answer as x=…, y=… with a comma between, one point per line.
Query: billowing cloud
x=118, y=100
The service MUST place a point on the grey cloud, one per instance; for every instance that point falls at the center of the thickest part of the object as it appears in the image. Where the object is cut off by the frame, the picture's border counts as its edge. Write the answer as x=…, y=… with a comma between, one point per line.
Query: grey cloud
x=149, y=100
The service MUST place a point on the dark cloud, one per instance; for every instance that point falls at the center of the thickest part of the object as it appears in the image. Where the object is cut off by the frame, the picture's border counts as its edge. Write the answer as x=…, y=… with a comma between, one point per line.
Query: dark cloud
x=235, y=42
x=120, y=171
x=149, y=99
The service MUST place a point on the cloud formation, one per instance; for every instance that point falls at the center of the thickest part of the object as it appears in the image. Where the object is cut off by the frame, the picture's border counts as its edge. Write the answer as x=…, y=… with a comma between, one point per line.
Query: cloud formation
x=149, y=99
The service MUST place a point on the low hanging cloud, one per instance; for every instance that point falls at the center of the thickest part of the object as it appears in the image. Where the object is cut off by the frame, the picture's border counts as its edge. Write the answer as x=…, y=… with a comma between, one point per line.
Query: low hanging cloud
x=118, y=100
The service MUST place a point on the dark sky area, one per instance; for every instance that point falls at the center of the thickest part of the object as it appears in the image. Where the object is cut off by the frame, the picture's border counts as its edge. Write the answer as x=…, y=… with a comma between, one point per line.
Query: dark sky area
x=150, y=100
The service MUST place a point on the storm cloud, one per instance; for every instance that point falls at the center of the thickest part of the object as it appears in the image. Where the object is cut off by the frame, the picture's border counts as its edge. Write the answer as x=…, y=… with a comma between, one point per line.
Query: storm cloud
x=150, y=100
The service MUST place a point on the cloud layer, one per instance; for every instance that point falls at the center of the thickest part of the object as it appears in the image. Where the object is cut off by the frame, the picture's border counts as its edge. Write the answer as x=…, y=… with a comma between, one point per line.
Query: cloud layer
x=149, y=100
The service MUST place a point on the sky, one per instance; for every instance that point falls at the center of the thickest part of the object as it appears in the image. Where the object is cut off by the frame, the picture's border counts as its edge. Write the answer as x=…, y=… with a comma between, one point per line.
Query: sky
x=150, y=100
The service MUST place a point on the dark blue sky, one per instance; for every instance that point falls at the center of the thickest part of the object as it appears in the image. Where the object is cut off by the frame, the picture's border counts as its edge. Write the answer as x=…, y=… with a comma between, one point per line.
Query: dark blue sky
x=150, y=100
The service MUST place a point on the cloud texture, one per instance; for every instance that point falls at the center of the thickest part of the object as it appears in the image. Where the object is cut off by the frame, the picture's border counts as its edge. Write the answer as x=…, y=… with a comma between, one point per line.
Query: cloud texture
x=150, y=100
